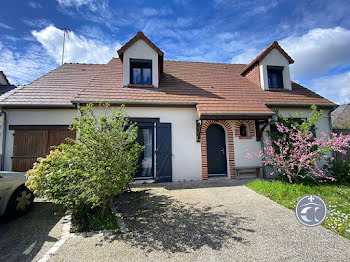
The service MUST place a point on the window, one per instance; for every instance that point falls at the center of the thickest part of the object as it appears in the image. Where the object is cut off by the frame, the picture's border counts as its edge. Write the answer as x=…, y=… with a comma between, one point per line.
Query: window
x=299, y=121
x=243, y=130
x=275, y=76
x=140, y=72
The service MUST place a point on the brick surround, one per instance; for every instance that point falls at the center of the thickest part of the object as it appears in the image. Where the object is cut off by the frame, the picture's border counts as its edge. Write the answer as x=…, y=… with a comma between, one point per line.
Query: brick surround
x=250, y=129
x=231, y=155
x=253, y=75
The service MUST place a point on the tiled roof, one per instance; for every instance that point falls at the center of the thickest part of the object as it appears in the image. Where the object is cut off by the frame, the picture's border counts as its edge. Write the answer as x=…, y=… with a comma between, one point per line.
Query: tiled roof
x=265, y=53
x=5, y=88
x=57, y=87
x=215, y=89
x=341, y=116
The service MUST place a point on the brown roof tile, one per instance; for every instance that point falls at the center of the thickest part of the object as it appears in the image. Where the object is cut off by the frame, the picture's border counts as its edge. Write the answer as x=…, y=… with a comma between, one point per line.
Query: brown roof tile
x=212, y=87
x=57, y=87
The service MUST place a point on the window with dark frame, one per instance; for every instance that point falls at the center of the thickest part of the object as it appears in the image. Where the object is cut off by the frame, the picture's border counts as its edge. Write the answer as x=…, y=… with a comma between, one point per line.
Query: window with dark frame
x=273, y=127
x=243, y=130
x=140, y=72
x=275, y=76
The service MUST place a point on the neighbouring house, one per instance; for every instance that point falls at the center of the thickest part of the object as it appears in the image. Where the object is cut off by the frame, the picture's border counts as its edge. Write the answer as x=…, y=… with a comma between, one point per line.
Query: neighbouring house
x=341, y=117
x=5, y=87
x=197, y=120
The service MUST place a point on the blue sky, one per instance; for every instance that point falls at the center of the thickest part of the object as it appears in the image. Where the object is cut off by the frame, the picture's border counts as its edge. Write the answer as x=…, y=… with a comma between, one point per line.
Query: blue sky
x=316, y=34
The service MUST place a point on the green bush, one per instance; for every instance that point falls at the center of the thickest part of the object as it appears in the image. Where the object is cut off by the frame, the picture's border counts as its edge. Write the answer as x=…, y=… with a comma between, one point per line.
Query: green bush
x=89, y=171
x=341, y=172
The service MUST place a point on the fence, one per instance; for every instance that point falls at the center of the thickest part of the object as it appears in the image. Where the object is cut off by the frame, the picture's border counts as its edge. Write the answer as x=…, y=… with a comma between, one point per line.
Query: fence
x=338, y=156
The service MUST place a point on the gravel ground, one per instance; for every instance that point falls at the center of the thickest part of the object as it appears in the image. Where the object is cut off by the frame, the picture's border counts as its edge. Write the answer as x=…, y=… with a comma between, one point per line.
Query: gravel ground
x=28, y=237
x=206, y=221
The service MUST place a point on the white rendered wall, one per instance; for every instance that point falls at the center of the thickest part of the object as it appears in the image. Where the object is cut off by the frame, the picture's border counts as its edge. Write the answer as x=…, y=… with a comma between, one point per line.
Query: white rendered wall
x=140, y=50
x=275, y=58
x=185, y=148
x=321, y=125
x=244, y=146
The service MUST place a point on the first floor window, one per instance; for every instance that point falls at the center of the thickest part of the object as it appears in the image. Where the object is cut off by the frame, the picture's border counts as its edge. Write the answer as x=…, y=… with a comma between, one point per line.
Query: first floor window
x=275, y=76
x=140, y=72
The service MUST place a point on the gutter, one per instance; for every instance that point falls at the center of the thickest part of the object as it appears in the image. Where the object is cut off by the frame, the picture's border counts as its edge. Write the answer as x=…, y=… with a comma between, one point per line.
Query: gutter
x=137, y=103
x=3, y=132
x=298, y=105
x=36, y=106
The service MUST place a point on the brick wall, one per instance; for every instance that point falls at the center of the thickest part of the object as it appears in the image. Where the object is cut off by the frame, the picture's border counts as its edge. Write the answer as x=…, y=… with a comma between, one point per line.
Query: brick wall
x=253, y=75
x=229, y=136
x=250, y=128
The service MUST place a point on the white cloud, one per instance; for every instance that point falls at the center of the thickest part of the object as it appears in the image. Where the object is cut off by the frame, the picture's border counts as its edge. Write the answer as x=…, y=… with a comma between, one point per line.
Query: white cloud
x=245, y=57
x=77, y=48
x=93, y=5
x=22, y=68
x=148, y=11
x=335, y=87
x=36, y=22
x=35, y=5
x=318, y=51
x=5, y=26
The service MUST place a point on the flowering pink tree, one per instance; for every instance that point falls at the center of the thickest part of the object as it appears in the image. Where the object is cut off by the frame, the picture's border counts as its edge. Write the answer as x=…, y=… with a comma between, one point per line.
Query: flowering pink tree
x=298, y=154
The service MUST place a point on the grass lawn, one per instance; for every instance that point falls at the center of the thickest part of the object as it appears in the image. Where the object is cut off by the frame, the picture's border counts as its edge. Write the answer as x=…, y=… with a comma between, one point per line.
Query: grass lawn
x=336, y=197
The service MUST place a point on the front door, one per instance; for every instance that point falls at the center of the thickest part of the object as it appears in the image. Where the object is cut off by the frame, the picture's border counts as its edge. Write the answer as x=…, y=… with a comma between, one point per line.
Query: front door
x=216, y=150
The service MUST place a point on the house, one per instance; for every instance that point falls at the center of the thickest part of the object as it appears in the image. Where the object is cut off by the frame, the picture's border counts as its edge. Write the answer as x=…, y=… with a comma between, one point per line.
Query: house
x=197, y=120
x=5, y=87
x=341, y=117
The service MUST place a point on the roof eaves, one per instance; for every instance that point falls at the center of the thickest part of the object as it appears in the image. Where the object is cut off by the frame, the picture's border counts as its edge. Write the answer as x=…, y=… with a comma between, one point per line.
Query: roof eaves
x=135, y=103
x=301, y=105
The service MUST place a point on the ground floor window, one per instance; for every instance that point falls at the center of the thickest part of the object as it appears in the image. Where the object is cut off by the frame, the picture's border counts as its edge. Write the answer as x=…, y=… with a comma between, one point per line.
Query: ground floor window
x=146, y=160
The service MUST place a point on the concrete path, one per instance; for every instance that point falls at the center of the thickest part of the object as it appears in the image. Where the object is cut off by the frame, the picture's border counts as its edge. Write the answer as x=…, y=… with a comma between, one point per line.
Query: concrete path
x=27, y=238
x=206, y=221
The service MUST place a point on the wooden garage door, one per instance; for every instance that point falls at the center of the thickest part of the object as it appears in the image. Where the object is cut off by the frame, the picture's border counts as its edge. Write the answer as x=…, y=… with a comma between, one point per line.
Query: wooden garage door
x=28, y=145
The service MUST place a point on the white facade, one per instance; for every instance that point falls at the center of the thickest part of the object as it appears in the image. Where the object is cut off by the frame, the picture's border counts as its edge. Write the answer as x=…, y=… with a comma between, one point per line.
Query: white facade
x=140, y=50
x=274, y=58
x=186, y=158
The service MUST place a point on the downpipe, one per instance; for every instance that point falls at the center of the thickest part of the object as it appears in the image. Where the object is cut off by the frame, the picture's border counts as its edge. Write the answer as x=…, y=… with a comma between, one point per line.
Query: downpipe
x=3, y=137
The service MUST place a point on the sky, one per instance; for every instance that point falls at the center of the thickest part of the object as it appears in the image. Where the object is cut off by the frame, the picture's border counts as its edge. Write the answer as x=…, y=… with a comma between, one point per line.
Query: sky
x=316, y=34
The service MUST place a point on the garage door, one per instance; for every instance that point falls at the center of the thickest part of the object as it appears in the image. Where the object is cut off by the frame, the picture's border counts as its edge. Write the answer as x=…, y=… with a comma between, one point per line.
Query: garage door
x=31, y=142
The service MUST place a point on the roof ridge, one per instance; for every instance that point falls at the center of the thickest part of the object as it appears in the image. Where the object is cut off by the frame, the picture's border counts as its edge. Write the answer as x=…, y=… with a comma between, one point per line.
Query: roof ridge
x=84, y=63
x=203, y=62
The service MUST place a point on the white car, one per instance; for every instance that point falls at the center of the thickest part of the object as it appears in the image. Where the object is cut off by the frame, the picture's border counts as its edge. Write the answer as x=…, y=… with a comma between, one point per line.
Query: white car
x=15, y=198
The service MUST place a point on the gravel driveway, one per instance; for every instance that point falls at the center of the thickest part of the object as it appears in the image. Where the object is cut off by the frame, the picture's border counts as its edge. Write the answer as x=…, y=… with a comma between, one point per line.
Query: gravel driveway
x=28, y=237
x=206, y=221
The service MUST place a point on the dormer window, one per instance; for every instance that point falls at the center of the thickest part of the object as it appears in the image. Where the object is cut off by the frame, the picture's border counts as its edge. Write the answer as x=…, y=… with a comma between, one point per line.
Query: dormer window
x=275, y=77
x=140, y=72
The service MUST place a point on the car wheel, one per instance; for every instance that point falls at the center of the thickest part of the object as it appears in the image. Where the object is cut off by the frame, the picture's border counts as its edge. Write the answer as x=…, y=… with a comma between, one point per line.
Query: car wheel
x=21, y=201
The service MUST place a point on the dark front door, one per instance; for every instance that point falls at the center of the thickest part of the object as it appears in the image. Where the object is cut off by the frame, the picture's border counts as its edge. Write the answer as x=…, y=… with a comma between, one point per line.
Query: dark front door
x=216, y=150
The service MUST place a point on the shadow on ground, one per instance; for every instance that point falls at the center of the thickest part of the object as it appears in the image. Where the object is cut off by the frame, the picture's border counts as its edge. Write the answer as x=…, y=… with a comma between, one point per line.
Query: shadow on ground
x=211, y=183
x=159, y=222
x=22, y=238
